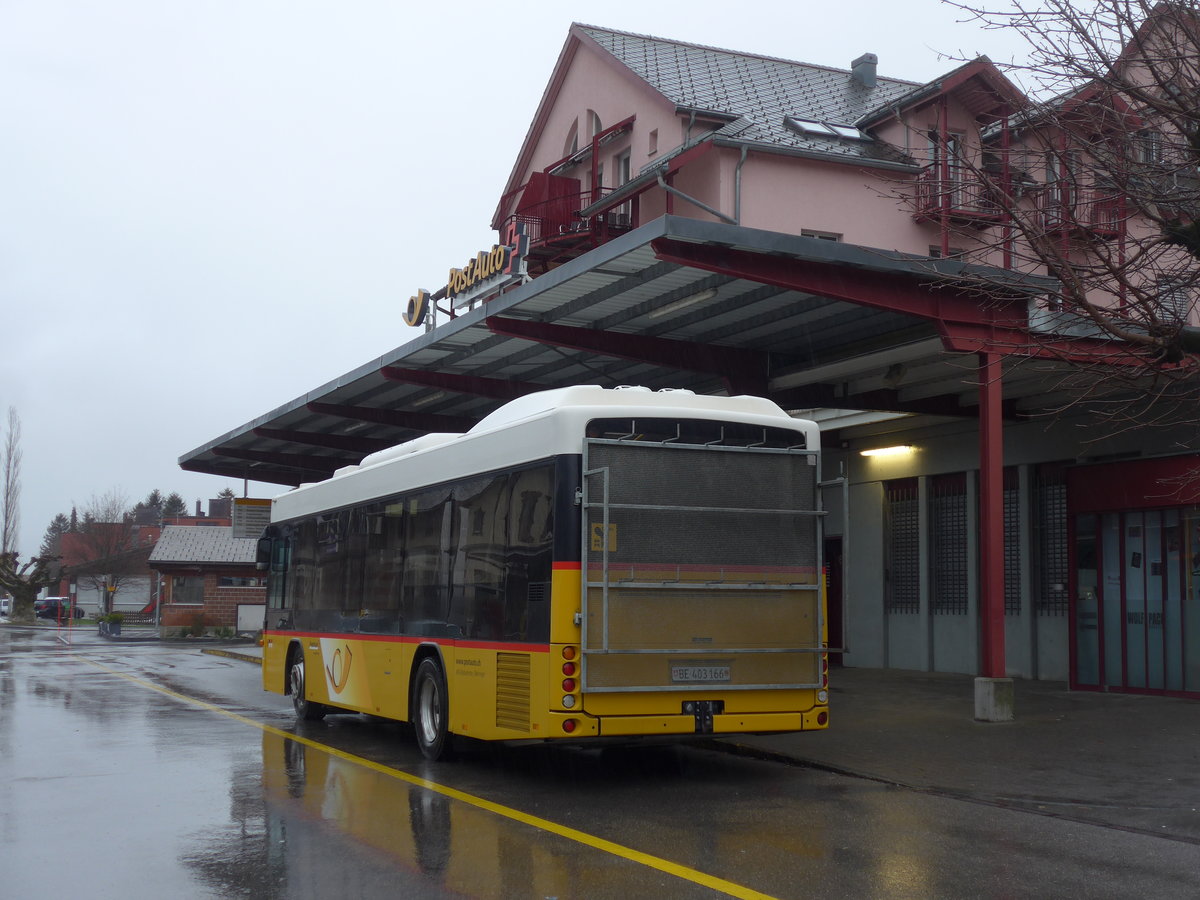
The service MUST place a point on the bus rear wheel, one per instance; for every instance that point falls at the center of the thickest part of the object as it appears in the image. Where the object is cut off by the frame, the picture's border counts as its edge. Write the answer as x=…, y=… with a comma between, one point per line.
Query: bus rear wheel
x=431, y=710
x=305, y=708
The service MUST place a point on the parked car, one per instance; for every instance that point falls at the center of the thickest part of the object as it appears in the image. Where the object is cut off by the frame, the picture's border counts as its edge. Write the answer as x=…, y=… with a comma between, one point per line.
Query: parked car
x=5, y=606
x=55, y=607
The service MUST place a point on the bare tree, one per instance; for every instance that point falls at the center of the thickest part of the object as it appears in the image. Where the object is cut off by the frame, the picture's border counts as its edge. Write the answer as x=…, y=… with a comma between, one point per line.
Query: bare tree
x=1093, y=182
x=25, y=582
x=107, y=538
x=10, y=501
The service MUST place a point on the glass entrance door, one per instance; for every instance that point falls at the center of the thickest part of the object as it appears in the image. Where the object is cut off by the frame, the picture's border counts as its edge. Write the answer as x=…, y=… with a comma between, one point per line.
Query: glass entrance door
x=1137, y=606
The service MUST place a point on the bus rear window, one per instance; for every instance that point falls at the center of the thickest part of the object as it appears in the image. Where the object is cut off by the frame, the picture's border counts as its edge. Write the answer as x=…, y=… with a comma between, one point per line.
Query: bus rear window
x=695, y=431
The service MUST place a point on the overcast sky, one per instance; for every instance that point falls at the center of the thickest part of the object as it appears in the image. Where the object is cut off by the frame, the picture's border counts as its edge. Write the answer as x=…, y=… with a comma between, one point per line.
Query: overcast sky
x=209, y=209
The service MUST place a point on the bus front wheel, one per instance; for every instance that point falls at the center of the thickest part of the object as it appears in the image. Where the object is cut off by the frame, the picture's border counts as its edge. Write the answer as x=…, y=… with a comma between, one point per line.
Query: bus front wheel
x=430, y=710
x=305, y=708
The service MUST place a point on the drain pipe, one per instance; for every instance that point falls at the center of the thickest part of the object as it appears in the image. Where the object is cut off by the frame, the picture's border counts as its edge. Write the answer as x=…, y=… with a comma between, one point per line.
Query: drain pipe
x=737, y=187
x=692, y=200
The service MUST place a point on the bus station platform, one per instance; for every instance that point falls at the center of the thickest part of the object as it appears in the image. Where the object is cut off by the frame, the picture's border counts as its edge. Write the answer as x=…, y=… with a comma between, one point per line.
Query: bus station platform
x=1115, y=760
x=1120, y=760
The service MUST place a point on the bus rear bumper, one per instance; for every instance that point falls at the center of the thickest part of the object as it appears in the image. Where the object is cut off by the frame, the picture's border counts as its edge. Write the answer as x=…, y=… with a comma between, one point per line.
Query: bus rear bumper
x=741, y=723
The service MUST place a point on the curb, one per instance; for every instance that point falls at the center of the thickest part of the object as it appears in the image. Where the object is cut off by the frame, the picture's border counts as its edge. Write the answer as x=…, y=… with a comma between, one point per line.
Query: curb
x=232, y=654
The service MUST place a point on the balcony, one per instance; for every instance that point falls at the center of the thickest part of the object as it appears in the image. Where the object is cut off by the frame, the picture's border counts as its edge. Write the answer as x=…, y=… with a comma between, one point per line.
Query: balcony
x=557, y=233
x=1081, y=213
x=957, y=192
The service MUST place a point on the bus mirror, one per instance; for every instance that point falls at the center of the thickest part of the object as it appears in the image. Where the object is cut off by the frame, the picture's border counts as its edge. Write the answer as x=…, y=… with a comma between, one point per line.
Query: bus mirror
x=262, y=559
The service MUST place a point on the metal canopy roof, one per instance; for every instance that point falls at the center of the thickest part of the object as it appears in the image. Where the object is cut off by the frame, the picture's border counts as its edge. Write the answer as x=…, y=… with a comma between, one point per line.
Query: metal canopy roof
x=661, y=306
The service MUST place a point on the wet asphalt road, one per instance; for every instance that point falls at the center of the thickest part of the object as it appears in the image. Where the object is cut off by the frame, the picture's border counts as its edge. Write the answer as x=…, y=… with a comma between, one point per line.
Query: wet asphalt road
x=204, y=787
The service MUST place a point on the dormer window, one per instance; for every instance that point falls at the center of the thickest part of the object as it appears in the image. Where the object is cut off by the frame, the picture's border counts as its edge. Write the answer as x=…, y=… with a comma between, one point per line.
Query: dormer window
x=824, y=129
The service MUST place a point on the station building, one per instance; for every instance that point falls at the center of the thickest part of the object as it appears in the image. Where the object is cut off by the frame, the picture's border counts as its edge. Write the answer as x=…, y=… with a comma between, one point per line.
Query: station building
x=689, y=217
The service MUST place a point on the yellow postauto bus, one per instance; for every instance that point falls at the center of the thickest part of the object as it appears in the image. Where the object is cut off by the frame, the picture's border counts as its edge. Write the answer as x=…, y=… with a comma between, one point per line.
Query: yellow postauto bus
x=584, y=564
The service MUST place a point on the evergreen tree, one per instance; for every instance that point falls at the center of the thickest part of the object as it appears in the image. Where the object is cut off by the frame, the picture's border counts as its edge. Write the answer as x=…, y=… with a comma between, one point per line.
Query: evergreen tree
x=174, y=505
x=52, y=540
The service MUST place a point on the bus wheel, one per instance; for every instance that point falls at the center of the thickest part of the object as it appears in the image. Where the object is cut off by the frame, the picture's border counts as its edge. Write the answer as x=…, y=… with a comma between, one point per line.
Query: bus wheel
x=430, y=710
x=305, y=708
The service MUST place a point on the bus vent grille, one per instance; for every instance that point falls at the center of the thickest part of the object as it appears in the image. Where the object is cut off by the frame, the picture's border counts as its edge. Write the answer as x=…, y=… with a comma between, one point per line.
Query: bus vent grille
x=512, y=691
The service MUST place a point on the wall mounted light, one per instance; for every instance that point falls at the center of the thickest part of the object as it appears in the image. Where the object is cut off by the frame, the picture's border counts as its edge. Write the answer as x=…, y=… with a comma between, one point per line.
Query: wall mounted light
x=888, y=451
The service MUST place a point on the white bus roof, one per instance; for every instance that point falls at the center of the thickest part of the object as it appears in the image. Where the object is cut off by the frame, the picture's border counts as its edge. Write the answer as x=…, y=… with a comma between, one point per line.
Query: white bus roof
x=536, y=426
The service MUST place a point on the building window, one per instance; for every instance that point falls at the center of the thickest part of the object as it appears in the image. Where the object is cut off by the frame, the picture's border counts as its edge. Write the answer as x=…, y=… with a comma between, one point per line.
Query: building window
x=1051, y=562
x=948, y=544
x=235, y=581
x=621, y=162
x=1149, y=147
x=572, y=143
x=1012, y=541
x=902, y=570
x=187, y=589
x=952, y=143
x=622, y=168
x=594, y=122
x=935, y=252
x=1174, y=301
x=821, y=235
x=652, y=147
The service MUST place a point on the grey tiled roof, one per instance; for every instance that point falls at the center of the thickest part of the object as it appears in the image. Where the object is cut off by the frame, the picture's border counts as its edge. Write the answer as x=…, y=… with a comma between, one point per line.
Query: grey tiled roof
x=758, y=91
x=202, y=544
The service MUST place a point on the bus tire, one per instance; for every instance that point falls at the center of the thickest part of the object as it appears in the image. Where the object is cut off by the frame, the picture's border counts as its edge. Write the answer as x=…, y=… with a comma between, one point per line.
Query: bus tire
x=306, y=709
x=431, y=710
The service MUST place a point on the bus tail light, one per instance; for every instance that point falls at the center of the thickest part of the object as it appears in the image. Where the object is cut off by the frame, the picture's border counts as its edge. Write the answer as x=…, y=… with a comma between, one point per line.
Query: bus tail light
x=569, y=725
x=822, y=717
x=570, y=685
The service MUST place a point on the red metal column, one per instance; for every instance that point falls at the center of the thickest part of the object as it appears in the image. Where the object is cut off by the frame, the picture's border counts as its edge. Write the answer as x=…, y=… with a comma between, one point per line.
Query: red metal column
x=991, y=515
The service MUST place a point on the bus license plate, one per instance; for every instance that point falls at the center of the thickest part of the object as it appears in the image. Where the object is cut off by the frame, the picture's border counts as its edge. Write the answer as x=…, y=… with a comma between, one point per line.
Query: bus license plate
x=702, y=672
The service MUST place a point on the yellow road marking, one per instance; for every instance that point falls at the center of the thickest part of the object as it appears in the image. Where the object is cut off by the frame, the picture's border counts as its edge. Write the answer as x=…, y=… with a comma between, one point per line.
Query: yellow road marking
x=571, y=834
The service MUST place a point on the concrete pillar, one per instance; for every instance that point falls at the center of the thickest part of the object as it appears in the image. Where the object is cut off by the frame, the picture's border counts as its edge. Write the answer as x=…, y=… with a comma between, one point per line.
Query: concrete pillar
x=993, y=699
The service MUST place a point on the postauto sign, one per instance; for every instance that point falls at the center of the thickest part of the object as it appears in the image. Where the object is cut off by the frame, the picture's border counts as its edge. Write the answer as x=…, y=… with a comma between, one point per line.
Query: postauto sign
x=489, y=272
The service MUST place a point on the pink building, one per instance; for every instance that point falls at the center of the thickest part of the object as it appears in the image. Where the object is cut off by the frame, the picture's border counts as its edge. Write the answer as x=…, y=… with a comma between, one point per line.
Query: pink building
x=684, y=216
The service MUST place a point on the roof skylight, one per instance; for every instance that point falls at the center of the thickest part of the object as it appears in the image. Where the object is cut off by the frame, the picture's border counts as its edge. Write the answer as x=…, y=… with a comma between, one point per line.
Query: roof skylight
x=824, y=129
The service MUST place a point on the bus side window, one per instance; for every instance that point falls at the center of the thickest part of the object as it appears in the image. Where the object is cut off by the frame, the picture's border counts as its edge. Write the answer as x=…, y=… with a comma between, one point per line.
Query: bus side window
x=480, y=535
x=427, y=541
x=529, y=555
x=383, y=569
x=280, y=557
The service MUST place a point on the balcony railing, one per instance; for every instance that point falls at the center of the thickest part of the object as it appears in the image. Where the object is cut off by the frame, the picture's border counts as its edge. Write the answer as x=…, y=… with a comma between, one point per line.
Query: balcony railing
x=956, y=191
x=558, y=219
x=1091, y=212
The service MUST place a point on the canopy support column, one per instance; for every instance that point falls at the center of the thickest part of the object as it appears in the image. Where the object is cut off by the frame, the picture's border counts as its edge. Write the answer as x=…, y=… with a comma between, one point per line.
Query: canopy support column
x=993, y=691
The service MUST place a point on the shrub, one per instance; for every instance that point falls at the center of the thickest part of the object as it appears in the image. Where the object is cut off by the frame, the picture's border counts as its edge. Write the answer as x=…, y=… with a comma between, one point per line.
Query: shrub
x=198, y=625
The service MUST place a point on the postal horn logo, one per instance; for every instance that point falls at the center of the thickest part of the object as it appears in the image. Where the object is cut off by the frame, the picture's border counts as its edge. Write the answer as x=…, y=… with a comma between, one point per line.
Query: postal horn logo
x=338, y=669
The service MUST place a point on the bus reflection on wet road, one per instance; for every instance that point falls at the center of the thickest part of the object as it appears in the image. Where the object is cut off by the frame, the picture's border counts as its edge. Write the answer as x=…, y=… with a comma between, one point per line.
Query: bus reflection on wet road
x=125, y=772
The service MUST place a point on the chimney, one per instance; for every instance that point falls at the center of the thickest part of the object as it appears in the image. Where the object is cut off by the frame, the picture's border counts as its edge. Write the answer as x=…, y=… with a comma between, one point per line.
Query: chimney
x=198, y=513
x=862, y=70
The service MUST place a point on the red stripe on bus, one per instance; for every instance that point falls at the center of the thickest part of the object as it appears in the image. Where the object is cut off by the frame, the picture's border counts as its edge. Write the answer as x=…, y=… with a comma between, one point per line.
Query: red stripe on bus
x=567, y=566
x=698, y=567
